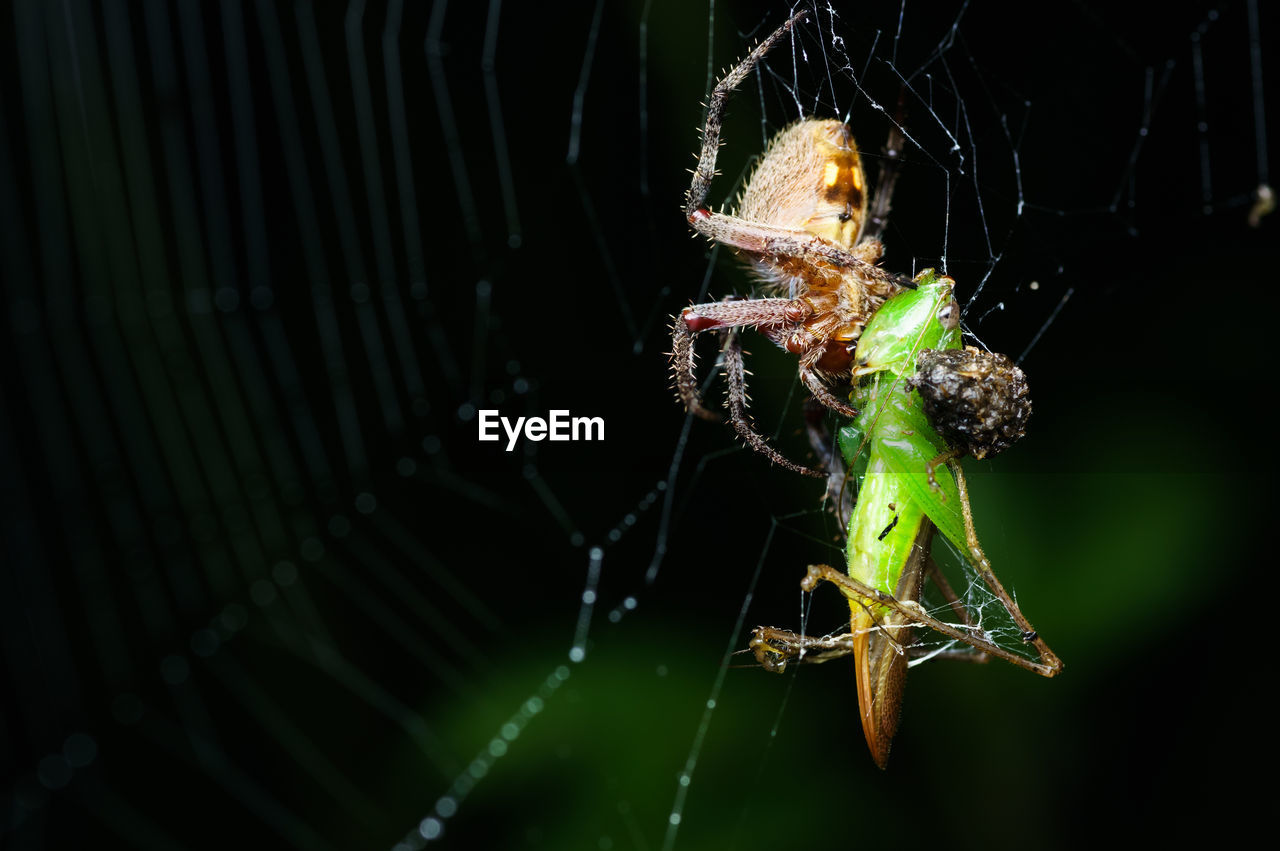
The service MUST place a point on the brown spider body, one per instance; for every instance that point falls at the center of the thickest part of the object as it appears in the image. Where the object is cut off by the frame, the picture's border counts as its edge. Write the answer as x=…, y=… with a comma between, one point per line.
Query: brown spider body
x=811, y=179
x=800, y=224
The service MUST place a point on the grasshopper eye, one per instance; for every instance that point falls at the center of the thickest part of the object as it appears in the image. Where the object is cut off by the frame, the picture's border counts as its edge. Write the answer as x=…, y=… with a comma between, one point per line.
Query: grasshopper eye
x=949, y=315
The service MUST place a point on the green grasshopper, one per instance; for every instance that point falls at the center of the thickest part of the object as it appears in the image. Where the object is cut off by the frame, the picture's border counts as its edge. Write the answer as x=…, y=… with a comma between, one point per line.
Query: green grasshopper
x=909, y=484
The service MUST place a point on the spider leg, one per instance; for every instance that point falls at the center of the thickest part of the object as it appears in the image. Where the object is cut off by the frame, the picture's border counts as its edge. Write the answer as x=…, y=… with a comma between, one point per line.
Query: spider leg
x=816, y=386
x=706, y=169
x=840, y=492
x=768, y=315
x=762, y=313
x=806, y=248
x=735, y=373
x=682, y=370
x=878, y=215
x=715, y=315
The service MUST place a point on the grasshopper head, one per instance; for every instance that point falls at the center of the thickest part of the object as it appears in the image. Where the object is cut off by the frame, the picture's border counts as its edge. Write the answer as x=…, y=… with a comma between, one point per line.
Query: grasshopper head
x=927, y=317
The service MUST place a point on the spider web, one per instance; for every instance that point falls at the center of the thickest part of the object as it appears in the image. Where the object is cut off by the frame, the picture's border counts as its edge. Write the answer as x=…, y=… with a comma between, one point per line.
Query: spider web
x=265, y=264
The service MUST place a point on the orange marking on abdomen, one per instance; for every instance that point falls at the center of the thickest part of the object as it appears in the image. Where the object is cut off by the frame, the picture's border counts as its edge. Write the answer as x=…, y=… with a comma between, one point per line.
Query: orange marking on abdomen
x=842, y=177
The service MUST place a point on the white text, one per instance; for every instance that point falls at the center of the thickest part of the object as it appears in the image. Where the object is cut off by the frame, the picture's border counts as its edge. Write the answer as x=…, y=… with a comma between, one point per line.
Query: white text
x=559, y=426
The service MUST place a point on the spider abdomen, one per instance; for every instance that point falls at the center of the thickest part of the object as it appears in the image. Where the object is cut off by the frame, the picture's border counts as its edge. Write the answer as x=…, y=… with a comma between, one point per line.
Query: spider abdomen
x=810, y=179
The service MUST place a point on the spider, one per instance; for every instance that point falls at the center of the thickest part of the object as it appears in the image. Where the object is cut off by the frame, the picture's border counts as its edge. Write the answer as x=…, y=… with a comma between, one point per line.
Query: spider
x=804, y=223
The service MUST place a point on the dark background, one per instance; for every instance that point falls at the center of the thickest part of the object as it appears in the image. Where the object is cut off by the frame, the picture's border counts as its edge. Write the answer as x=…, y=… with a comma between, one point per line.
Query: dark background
x=262, y=584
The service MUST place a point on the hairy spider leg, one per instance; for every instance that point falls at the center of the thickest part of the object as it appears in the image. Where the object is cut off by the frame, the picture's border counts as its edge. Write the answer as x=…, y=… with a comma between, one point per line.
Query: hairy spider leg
x=735, y=374
x=890, y=164
x=808, y=374
x=706, y=170
x=770, y=315
x=840, y=493
x=683, y=370
x=807, y=249
x=715, y=315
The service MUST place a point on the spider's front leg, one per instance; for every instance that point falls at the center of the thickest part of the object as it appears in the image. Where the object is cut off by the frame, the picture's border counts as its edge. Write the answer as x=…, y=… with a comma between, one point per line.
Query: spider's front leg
x=770, y=315
x=819, y=389
x=878, y=213
x=736, y=371
x=715, y=315
x=840, y=494
x=683, y=360
x=706, y=170
x=810, y=253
